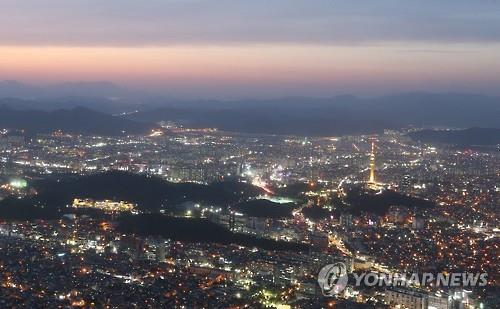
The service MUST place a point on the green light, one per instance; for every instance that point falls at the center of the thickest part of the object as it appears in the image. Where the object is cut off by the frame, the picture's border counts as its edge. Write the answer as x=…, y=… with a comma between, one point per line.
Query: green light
x=19, y=183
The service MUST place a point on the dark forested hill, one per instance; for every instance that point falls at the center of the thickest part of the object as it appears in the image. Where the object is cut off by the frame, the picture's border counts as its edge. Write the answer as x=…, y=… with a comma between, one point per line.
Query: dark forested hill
x=265, y=209
x=149, y=192
x=76, y=121
x=467, y=137
x=197, y=230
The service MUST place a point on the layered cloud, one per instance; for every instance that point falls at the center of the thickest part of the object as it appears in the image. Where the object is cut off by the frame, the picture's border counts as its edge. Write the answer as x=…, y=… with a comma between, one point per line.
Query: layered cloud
x=173, y=22
x=241, y=48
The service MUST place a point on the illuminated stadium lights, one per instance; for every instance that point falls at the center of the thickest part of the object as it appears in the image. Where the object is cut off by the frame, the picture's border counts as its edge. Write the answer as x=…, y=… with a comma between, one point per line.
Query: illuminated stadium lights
x=105, y=205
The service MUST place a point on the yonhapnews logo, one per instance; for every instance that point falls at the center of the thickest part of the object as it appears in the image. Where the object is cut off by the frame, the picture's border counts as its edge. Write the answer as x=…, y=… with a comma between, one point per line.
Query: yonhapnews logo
x=333, y=279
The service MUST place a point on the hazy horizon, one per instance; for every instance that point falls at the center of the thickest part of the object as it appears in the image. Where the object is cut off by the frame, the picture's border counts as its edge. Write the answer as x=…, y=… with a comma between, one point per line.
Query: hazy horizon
x=262, y=49
x=75, y=87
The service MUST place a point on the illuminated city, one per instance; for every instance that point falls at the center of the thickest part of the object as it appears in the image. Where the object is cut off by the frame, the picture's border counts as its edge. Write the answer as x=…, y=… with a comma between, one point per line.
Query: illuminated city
x=309, y=187
x=250, y=154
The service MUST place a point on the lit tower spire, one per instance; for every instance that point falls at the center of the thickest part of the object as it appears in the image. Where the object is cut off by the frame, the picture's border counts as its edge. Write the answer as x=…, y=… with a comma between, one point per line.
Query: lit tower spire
x=372, y=163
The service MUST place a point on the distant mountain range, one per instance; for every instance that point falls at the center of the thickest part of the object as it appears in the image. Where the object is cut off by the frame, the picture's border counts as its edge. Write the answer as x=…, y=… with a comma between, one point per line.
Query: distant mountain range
x=338, y=115
x=98, y=104
x=468, y=137
x=100, y=96
x=78, y=121
x=15, y=89
x=335, y=116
